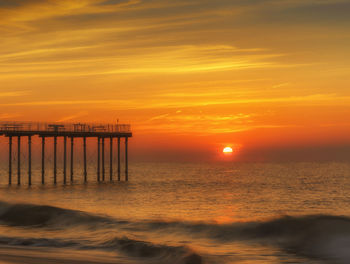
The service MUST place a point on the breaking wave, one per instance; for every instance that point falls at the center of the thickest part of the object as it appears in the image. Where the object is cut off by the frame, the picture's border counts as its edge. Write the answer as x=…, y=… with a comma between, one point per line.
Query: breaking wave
x=315, y=236
x=124, y=245
x=46, y=216
x=41, y=216
x=165, y=253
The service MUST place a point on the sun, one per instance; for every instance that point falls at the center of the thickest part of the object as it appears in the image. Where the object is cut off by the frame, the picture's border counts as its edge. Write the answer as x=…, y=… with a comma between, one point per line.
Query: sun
x=227, y=150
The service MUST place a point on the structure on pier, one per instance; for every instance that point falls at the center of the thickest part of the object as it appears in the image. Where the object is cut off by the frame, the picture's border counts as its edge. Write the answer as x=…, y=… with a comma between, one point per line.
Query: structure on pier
x=67, y=131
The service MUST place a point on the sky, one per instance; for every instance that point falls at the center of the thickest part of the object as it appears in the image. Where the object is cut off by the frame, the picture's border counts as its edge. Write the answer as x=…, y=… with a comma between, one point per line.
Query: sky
x=269, y=78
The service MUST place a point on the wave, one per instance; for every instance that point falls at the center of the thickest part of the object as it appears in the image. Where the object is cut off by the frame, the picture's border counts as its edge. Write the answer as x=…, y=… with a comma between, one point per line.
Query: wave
x=42, y=216
x=315, y=236
x=46, y=216
x=37, y=242
x=132, y=248
x=164, y=253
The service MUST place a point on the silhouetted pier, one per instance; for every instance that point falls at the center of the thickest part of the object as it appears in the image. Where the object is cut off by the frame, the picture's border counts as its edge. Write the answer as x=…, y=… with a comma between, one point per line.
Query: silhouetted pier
x=101, y=132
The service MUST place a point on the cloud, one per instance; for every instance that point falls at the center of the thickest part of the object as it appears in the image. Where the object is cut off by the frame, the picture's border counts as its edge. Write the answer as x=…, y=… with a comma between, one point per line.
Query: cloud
x=13, y=93
x=171, y=59
x=281, y=85
x=24, y=11
x=9, y=116
x=72, y=117
x=159, y=117
x=312, y=12
x=98, y=37
x=313, y=99
x=204, y=123
x=185, y=54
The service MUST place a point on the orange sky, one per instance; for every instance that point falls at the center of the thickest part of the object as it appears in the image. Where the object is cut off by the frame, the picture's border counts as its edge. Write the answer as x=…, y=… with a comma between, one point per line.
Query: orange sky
x=268, y=77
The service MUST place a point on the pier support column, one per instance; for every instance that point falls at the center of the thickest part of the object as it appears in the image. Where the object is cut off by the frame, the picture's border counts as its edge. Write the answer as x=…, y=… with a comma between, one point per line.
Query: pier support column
x=10, y=160
x=64, y=159
x=111, y=159
x=29, y=160
x=55, y=160
x=103, y=159
x=42, y=160
x=19, y=160
x=126, y=159
x=118, y=158
x=71, y=158
x=98, y=159
x=85, y=171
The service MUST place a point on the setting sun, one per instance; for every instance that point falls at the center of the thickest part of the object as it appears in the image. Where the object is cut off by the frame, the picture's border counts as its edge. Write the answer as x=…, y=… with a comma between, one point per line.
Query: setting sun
x=227, y=150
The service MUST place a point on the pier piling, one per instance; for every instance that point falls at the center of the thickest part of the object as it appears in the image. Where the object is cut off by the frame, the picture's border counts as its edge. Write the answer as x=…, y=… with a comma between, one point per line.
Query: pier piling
x=42, y=160
x=64, y=160
x=118, y=158
x=126, y=160
x=55, y=160
x=110, y=158
x=98, y=159
x=103, y=159
x=71, y=158
x=29, y=160
x=10, y=160
x=19, y=160
x=85, y=171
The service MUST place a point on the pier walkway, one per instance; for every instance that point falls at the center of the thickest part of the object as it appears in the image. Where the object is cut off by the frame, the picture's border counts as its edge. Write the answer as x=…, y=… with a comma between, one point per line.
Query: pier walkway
x=101, y=132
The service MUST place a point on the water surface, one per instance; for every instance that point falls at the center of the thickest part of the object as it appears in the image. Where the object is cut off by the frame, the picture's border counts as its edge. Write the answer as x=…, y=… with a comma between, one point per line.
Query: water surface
x=182, y=213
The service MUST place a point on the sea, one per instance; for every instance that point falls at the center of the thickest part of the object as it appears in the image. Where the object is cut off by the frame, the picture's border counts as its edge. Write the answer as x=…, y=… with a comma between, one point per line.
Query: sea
x=181, y=213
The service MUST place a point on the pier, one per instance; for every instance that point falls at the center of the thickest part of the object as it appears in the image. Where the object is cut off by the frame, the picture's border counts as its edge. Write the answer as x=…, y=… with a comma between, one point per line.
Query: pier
x=101, y=132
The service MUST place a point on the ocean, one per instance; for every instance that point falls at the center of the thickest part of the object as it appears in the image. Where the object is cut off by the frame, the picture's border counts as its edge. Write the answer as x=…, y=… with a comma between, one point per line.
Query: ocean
x=182, y=213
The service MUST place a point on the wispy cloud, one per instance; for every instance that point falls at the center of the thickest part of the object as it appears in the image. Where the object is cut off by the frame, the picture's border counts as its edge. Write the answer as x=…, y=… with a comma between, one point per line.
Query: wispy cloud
x=307, y=99
x=72, y=117
x=13, y=94
x=152, y=58
x=9, y=116
x=281, y=85
x=158, y=117
x=93, y=61
x=67, y=102
x=24, y=11
x=140, y=104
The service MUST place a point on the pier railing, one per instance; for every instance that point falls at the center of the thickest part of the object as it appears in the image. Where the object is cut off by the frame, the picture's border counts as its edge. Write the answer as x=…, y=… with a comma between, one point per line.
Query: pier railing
x=63, y=127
